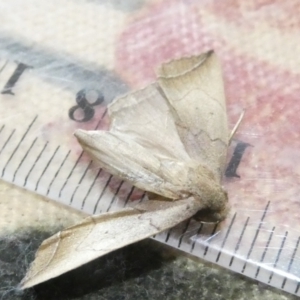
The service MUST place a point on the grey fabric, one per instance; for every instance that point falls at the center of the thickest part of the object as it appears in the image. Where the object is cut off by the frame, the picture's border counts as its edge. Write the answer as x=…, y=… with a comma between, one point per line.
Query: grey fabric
x=146, y=270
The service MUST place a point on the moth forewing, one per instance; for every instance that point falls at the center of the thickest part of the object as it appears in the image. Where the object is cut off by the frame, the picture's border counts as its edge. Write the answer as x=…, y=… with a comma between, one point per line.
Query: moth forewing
x=146, y=115
x=136, y=164
x=196, y=97
x=183, y=65
x=96, y=236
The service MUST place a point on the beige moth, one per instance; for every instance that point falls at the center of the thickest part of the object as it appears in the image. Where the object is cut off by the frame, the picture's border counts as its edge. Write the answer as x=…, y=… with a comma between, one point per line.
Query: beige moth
x=169, y=139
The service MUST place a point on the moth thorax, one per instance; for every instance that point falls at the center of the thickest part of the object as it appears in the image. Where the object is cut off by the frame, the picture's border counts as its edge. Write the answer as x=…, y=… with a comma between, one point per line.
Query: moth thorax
x=210, y=193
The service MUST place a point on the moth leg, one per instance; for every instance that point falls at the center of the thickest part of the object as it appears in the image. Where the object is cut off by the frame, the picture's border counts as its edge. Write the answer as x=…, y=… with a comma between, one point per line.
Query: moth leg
x=235, y=128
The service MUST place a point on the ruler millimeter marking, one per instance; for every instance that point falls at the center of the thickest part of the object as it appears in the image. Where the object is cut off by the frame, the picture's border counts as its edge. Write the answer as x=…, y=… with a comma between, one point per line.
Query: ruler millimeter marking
x=256, y=235
x=18, y=145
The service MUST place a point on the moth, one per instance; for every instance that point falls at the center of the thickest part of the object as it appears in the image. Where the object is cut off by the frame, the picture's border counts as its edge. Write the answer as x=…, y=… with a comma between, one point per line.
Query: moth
x=169, y=139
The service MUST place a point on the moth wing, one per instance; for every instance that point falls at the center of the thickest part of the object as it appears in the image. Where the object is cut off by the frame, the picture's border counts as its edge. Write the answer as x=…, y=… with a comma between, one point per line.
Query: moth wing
x=99, y=235
x=145, y=117
x=147, y=169
x=194, y=90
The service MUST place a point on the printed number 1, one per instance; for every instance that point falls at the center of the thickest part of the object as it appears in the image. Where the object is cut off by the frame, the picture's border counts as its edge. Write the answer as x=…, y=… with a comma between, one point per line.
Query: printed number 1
x=236, y=159
x=14, y=78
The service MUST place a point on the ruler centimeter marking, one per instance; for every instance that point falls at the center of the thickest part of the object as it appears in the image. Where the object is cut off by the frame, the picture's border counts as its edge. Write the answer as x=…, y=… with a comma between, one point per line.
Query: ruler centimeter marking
x=128, y=196
x=102, y=193
x=196, y=237
x=8, y=139
x=115, y=196
x=34, y=164
x=226, y=236
x=239, y=241
x=291, y=262
x=278, y=255
x=58, y=170
x=90, y=188
x=80, y=181
x=256, y=235
x=23, y=159
x=265, y=251
x=214, y=232
x=70, y=174
x=46, y=167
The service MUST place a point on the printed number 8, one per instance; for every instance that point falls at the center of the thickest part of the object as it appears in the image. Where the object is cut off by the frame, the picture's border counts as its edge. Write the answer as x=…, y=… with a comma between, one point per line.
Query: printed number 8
x=85, y=106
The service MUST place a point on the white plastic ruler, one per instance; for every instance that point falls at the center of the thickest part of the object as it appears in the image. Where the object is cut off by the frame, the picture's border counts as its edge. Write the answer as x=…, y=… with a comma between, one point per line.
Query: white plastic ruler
x=39, y=153
x=46, y=95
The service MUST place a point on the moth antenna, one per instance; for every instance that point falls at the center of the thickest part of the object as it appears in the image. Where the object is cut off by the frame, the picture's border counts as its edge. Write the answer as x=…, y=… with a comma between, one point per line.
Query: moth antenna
x=236, y=126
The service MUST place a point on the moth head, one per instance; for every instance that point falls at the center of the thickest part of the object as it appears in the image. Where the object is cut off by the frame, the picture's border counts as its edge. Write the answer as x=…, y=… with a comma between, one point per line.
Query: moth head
x=216, y=208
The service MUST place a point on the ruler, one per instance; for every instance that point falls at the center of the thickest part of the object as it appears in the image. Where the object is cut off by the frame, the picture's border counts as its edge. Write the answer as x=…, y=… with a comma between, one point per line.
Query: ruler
x=46, y=95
